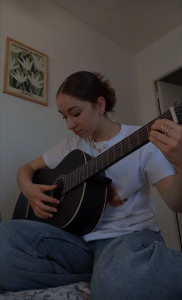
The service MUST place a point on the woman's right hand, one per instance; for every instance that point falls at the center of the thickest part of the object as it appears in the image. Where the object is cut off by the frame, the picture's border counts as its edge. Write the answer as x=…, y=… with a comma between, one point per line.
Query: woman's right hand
x=43, y=205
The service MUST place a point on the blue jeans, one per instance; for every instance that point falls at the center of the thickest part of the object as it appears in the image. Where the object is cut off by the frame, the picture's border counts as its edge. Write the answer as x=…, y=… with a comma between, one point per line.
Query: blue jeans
x=131, y=267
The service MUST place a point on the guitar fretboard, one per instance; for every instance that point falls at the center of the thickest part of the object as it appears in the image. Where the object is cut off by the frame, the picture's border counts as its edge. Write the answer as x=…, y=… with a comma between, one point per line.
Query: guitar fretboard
x=109, y=157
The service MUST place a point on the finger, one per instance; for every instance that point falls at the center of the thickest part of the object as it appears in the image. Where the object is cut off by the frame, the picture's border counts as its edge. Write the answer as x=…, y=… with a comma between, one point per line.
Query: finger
x=44, y=187
x=158, y=144
x=166, y=144
x=158, y=124
x=46, y=197
x=44, y=211
x=170, y=136
x=43, y=215
x=49, y=199
x=156, y=136
x=46, y=208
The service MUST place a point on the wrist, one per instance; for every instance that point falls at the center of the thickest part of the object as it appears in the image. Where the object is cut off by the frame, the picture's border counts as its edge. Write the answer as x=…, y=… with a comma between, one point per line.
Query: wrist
x=26, y=189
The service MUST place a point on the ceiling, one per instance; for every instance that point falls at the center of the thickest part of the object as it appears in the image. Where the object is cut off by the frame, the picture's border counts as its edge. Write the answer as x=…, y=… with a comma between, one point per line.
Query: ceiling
x=133, y=24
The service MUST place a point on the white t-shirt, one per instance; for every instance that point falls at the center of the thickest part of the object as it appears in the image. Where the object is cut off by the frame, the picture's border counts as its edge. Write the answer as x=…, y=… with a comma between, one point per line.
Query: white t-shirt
x=131, y=178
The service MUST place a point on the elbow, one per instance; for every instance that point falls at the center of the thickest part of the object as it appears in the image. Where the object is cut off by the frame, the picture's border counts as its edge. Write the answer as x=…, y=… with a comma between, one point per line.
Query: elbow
x=176, y=207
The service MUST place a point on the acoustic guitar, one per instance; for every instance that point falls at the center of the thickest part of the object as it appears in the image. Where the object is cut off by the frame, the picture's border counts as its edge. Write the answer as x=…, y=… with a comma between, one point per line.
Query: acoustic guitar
x=81, y=183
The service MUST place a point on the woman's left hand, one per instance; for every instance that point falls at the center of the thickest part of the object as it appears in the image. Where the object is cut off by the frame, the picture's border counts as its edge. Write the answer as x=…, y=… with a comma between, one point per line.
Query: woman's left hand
x=167, y=136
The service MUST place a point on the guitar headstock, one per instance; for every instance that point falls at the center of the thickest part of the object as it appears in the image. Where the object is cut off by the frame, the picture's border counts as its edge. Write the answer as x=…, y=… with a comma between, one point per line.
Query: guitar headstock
x=176, y=113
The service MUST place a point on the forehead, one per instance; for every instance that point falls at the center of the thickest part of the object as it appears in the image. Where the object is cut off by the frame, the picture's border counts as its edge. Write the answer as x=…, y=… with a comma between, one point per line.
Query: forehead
x=66, y=102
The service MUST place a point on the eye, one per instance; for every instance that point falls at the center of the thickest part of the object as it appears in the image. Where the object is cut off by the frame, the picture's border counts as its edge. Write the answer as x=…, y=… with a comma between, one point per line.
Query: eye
x=77, y=114
x=64, y=117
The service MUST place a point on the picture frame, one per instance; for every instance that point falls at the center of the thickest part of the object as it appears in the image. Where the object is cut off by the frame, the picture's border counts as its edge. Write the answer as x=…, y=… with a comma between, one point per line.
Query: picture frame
x=25, y=72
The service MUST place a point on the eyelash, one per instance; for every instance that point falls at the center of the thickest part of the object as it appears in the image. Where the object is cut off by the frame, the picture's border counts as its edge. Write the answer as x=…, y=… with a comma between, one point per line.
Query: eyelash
x=76, y=115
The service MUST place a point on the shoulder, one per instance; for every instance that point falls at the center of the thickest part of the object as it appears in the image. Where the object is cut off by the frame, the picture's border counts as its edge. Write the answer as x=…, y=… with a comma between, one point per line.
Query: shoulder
x=54, y=155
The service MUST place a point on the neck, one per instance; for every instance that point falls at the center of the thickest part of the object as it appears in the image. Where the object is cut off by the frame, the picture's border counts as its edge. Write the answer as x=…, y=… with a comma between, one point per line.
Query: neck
x=107, y=130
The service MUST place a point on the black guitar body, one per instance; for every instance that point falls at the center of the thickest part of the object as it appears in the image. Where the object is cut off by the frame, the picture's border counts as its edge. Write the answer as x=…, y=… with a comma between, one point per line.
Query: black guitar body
x=80, y=209
x=82, y=205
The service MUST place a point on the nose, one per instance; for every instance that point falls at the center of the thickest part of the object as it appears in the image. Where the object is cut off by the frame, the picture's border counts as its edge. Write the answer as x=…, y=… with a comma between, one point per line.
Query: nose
x=70, y=123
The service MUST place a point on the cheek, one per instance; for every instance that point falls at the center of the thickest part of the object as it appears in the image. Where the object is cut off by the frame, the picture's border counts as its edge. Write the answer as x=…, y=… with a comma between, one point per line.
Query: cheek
x=91, y=119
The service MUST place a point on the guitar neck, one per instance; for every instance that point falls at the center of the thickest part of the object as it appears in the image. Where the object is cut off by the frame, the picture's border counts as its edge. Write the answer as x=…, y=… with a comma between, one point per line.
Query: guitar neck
x=117, y=152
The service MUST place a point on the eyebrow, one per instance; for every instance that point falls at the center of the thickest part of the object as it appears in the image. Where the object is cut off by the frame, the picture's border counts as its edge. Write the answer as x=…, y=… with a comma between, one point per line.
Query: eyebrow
x=70, y=109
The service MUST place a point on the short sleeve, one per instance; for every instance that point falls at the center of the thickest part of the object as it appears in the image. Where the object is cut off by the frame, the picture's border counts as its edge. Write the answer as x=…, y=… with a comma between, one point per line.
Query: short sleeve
x=155, y=164
x=54, y=155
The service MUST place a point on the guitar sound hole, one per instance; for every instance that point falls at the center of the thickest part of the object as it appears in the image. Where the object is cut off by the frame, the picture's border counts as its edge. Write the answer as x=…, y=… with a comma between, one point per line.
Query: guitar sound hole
x=57, y=193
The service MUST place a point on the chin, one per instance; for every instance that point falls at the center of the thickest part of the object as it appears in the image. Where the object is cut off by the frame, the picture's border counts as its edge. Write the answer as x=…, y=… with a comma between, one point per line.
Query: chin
x=83, y=135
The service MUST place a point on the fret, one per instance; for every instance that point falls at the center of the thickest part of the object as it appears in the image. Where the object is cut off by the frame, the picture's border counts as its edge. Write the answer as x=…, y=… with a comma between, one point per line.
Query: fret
x=148, y=131
x=129, y=146
x=125, y=147
x=134, y=140
x=96, y=164
x=101, y=162
x=87, y=171
x=143, y=134
x=114, y=154
x=118, y=151
x=138, y=137
x=107, y=157
x=178, y=113
x=94, y=167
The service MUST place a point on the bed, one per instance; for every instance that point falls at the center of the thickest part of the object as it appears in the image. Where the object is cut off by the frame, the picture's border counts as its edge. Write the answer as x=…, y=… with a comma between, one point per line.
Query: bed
x=76, y=291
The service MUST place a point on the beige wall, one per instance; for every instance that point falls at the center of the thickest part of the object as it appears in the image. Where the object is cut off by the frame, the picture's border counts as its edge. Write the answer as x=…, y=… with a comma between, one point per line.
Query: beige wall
x=27, y=128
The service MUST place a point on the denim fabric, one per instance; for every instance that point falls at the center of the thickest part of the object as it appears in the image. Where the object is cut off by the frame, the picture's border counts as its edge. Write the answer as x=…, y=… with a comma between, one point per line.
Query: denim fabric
x=37, y=255
x=136, y=266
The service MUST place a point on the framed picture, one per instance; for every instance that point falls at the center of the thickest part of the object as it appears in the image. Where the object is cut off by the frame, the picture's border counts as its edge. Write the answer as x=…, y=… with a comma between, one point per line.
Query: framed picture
x=25, y=72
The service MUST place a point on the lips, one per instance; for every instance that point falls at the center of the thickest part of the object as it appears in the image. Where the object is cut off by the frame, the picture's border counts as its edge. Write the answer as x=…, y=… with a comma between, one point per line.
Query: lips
x=77, y=132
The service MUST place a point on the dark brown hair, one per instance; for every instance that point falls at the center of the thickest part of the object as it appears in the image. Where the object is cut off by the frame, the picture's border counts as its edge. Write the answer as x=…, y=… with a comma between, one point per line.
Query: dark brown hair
x=88, y=86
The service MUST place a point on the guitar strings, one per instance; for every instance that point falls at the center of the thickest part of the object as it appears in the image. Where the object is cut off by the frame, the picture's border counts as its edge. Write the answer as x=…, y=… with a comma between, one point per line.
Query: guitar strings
x=90, y=164
x=73, y=178
x=94, y=162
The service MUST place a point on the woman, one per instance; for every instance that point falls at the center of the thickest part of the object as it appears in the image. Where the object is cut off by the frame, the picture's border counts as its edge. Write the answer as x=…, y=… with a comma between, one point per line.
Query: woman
x=124, y=257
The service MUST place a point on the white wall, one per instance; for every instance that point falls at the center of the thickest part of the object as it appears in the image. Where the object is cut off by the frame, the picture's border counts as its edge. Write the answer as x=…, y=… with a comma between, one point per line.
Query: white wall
x=156, y=61
x=27, y=128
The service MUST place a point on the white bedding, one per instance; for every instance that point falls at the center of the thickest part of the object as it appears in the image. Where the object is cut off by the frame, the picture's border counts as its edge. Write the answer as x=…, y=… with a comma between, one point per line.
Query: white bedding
x=76, y=291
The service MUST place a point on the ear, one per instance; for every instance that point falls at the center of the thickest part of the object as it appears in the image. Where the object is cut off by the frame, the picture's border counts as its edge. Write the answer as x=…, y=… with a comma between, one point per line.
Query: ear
x=101, y=104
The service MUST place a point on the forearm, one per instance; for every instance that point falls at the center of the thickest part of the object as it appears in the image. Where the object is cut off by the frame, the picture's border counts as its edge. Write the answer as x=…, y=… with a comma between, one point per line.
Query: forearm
x=26, y=172
x=24, y=178
x=175, y=194
x=170, y=188
x=170, y=144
